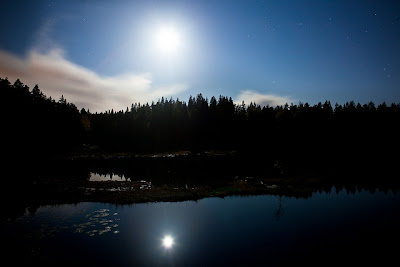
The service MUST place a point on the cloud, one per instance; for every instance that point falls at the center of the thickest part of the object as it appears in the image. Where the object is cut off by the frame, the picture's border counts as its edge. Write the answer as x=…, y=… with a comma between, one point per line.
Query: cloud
x=249, y=96
x=58, y=76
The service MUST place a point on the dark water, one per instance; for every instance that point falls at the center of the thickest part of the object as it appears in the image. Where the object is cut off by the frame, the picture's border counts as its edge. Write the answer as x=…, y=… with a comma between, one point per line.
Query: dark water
x=328, y=228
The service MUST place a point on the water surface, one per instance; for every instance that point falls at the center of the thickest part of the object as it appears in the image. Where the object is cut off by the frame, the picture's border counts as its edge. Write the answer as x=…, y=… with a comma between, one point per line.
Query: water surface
x=328, y=228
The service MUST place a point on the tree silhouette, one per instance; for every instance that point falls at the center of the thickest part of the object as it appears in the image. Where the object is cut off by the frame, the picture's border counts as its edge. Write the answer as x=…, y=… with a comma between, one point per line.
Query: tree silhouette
x=303, y=136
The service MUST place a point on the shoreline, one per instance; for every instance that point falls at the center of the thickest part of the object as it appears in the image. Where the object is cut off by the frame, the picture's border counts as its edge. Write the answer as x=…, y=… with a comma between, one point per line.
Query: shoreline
x=126, y=192
x=176, y=176
x=23, y=199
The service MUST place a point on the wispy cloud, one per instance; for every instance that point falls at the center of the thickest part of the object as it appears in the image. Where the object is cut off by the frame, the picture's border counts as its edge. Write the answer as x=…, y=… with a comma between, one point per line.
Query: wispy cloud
x=249, y=96
x=58, y=76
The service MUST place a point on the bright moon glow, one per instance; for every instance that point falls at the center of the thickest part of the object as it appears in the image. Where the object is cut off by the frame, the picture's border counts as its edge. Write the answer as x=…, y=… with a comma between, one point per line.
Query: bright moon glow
x=168, y=241
x=168, y=39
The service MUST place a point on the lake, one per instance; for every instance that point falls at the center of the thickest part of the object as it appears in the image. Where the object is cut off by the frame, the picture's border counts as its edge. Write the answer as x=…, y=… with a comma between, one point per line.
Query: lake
x=333, y=227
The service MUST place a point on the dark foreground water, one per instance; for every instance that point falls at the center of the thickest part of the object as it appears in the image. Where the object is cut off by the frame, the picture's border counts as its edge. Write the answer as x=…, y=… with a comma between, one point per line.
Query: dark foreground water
x=328, y=228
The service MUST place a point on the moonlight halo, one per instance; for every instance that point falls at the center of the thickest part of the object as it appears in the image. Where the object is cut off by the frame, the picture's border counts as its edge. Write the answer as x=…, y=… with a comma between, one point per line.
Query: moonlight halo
x=167, y=242
x=168, y=39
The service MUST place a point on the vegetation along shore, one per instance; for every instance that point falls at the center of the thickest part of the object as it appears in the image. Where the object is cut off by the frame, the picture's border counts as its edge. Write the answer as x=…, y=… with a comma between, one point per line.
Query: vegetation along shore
x=191, y=150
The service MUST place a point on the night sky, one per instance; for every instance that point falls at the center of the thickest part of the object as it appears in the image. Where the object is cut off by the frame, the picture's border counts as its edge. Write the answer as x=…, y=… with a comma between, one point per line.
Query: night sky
x=109, y=54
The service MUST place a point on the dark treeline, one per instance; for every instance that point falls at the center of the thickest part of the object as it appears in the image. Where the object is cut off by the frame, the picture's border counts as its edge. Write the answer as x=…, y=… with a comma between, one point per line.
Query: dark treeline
x=35, y=125
x=220, y=124
x=301, y=135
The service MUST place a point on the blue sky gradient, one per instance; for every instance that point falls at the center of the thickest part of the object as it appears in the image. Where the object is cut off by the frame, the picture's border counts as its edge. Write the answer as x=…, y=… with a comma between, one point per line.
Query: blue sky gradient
x=307, y=51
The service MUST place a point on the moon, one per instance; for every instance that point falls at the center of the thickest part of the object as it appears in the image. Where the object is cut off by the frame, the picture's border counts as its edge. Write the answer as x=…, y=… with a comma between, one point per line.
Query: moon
x=167, y=242
x=168, y=39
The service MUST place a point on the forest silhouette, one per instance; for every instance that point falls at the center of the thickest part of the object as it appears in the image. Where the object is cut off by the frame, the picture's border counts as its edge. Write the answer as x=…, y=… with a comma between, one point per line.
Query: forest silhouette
x=301, y=136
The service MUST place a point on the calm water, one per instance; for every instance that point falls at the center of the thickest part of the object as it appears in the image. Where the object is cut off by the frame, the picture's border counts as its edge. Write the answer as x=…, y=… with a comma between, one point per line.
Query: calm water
x=328, y=228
